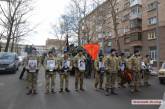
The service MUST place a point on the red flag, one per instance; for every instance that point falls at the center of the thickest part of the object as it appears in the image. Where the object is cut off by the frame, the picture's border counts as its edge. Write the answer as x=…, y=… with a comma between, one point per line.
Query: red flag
x=92, y=50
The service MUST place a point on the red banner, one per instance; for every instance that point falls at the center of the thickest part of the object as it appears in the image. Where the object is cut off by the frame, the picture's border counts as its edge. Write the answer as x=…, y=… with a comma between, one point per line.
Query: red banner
x=92, y=50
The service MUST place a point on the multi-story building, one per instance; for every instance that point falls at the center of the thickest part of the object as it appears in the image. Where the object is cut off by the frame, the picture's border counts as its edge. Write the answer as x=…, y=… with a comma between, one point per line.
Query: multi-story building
x=153, y=27
x=20, y=48
x=58, y=45
x=137, y=24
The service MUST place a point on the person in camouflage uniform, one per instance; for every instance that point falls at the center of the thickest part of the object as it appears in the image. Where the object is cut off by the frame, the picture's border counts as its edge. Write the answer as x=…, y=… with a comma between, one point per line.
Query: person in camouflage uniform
x=50, y=72
x=123, y=65
x=141, y=74
x=147, y=71
x=99, y=65
x=118, y=60
x=32, y=66
x=24, y=68
x=79, y=63
x=112, y=69
x=135, y=66
x=64, y=75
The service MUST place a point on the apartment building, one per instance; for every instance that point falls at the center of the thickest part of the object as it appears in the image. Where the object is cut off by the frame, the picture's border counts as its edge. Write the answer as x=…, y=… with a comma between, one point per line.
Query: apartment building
x=138, y=21
x=153, y=19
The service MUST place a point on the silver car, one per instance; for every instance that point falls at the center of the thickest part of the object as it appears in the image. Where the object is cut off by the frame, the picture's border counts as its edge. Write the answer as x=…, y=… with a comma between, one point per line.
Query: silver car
x=9, y=62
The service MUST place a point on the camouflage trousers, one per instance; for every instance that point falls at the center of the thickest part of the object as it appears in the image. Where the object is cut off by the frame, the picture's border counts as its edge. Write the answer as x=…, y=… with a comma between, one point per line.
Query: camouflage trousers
x=110, y=80
x=32, y=80
x=79, y=78
x=146, y=76
x=136, y=77
x=64, y=79
x=50, y=80
x=99, y=79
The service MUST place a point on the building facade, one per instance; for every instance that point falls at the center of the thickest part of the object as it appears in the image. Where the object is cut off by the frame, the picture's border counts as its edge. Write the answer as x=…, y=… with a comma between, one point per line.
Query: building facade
x=58, y=45
x=139, y=23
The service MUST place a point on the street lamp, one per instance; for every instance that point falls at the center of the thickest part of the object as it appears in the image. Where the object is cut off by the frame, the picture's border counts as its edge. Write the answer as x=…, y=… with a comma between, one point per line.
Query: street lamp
x=158, y=35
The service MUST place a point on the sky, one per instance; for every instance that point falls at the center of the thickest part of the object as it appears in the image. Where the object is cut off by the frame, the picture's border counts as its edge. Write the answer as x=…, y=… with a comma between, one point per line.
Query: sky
x=45, y=14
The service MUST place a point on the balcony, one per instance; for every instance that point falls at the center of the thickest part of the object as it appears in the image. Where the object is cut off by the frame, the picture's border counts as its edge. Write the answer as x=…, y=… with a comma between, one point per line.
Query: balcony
x=135, y=2
x=134, y=39
x=136, y=25
x=136, y=12
x=134, y=16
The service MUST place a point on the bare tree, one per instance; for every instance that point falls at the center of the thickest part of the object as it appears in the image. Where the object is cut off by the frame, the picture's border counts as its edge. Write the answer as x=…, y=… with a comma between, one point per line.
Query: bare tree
x=78, y=9
x=58, y=31
x=14, y=13
x=113, y=5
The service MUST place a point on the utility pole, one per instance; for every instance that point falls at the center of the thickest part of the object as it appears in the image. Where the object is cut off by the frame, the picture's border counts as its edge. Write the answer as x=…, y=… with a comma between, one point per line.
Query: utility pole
x=158, y=35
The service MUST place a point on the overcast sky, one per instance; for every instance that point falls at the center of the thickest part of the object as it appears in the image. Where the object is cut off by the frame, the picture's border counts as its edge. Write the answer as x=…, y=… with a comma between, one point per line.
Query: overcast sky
x=46, y=13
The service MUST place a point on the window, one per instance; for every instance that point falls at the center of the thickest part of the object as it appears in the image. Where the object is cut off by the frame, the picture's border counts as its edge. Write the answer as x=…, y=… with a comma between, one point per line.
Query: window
x=152, y=21
x=136, y=23
x=152, y=6
x=151, y=35
x=126, y=29
x=136, y=37
x=153, y=53
x=133, y=37
x=110, y=43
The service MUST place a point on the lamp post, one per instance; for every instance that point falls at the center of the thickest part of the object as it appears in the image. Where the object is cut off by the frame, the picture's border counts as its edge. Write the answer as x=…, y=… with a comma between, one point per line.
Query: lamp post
x=158, y=35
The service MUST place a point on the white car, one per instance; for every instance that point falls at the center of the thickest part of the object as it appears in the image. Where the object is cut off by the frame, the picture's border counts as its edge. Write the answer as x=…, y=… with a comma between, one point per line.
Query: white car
x=161, y=74
x=162, y=106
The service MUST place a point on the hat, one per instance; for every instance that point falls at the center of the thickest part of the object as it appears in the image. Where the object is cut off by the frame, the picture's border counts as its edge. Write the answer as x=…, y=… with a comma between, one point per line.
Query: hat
x=80, y=50
x=33, y=48
x=50, y=52
x=136, y=51
x=112, y=50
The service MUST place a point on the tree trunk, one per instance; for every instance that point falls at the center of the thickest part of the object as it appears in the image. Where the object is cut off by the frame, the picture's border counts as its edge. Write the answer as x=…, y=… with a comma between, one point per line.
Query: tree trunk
x=115, y=24
x=117, y=40
x=0, y=47
x=9, y=37
x=12, y=45
x=0, y=44
x=79, y=43
x=16, y=45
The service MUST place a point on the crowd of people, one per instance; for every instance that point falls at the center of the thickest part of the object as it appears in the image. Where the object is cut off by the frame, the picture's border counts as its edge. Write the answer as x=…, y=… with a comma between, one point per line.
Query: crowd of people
x=111, y=71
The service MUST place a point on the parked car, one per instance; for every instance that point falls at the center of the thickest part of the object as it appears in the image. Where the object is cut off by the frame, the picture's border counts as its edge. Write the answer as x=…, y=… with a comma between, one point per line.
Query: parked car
x=21, y=58
x=9, y=62
x=161, y=74
x=162, y=106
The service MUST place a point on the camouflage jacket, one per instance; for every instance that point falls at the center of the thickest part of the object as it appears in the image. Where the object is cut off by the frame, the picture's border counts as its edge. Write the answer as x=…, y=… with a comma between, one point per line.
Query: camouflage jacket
x=112, y=64
x=96, y=63
x=134, y=63
x=50, y=58
x=77, y=58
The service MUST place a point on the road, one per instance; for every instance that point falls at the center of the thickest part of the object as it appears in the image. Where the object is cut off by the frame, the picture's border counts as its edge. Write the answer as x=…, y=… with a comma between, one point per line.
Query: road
x=13, y=95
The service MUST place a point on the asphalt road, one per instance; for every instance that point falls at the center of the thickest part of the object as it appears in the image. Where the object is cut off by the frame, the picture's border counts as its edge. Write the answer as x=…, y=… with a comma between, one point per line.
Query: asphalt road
x=13, y=95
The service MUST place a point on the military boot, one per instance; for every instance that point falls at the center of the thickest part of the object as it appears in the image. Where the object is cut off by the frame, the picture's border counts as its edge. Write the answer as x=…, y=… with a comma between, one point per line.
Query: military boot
x=107, y=92
x=113, y=92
